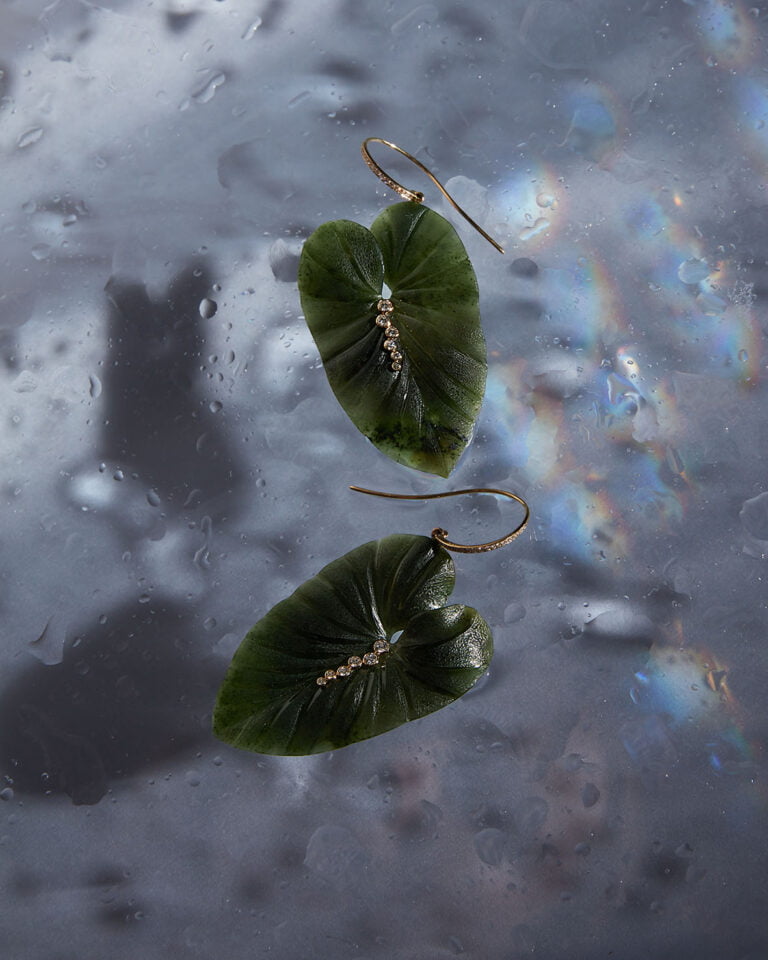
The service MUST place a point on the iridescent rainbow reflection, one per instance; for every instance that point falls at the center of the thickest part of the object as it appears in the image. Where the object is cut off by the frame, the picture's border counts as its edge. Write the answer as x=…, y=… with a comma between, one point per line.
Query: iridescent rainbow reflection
x=751, y=98
x=599, y=485
x=596, y=119
x=688, y=689
x=726, y=32
x=532, y=205
x=584, y=305
x=713, y=321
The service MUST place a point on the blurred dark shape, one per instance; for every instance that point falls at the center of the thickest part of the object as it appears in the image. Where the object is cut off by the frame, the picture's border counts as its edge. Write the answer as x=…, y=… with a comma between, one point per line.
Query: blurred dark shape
x=5, y=81
x=469, y=22
x=132, y=691
x=558, y=33
x=127, y=696
x=243, y=164
x=525, y=311
x=524, y=267
x=156, y=422
x=179, y=22
x=350, y=71
x=271, y=14
x=15, y=310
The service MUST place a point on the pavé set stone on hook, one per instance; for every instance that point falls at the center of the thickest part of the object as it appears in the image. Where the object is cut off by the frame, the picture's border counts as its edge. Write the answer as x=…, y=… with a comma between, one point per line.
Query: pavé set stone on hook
x=391, y=333
x=380, y=647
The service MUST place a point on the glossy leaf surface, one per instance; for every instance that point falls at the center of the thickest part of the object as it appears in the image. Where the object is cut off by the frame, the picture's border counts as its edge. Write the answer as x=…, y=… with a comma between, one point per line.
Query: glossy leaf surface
x=423, y=415
x=270, y=701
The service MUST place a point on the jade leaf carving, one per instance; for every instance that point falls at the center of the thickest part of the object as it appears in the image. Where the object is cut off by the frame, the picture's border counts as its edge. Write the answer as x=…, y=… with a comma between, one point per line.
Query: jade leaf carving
x=270, y=701
x=422, y=415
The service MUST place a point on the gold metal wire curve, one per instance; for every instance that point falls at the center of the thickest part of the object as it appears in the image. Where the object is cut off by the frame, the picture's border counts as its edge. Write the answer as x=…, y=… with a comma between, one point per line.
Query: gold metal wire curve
x=416, y=195
x=442, y=535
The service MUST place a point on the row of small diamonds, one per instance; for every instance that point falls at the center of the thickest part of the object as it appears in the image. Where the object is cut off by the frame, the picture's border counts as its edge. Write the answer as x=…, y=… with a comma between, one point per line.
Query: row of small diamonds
x=380, y=647
x=402, y=191
x=391, y=333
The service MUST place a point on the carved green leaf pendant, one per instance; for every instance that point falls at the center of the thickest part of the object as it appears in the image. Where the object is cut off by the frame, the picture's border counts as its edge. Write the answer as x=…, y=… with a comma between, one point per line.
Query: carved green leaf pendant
x=319, y=672
x=415, y=395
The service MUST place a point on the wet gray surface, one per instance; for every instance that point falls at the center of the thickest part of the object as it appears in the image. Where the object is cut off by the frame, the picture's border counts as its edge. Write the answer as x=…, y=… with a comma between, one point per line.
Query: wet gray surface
x=175, y=463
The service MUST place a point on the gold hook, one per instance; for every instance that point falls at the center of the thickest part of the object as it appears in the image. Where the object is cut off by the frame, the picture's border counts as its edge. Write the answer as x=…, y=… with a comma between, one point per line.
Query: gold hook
x=442, y=535
x=416, y=195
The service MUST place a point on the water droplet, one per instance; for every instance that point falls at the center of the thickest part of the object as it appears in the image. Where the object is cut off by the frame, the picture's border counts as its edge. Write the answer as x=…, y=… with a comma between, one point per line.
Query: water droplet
x=95, y=386
x=545, y=200
x=334, y=853
x=710, y=304
x=207, y=91
x=754, y=517
x=25, y=382
x=41, y=251
x=489, y=845
x=590, y=795
x=539, y=226
x=208, y=308
x=29, y=137
x=209, y=623
x=514, y=612
x=693, y=270
x=251, y=29
x=284, y=260
x=103, y=618
x=573, y=762
x=118, y=475
x=582, y=849
x=215, y=405
x=193, y=778
x=6, y=794
x=153, y=498
x=144, y=598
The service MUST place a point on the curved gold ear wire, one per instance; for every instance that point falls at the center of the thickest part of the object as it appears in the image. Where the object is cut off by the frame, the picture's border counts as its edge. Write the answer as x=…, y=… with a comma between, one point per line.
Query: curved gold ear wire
x=442, y=535
x=416, y=195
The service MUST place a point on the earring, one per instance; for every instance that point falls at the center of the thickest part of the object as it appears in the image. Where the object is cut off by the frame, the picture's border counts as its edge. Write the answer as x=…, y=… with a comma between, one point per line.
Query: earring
x=324, y=668
x=408, y=365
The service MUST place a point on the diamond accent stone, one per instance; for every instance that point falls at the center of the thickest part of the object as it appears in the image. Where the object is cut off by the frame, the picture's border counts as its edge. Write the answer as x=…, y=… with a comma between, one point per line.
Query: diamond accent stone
x=382, y=320
x=381, y=646
x=397, y=366
x=343, y=670
x=370, y=659
x=390, y=345
x=355, y=662
x=321, y=681
x=385, y=306
x=393, y=332
x=330, y=674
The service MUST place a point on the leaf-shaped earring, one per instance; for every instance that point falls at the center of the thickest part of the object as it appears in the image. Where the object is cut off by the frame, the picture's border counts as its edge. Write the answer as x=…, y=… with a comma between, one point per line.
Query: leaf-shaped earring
x=323, y=668
x=408, y=367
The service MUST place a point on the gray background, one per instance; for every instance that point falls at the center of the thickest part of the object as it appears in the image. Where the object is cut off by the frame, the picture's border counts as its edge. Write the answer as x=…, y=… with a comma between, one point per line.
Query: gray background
x=174, y=463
